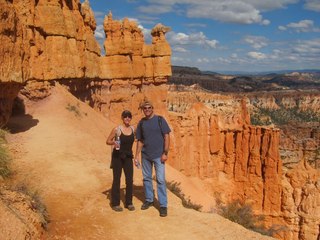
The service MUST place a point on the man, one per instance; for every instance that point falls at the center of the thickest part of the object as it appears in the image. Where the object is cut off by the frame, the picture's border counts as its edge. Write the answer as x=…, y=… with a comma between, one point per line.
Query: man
x=153, y=142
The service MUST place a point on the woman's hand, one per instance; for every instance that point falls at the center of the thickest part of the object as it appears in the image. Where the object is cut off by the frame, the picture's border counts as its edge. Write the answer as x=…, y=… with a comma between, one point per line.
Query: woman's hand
x=137, y=163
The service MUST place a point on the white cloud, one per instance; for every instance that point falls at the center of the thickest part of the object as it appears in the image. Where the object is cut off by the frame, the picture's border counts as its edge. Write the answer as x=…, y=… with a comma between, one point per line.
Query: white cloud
x=257, y=55
x=180, y=60
x=192, y=39
x=308, y=48
x=313, y=5
x=302, y=26
x=282, y=28
x=155, y=9
x=179, y=49
x=234, y=55
x=265, y=22
x=256, y=42
x=99, y=33
x=227, y=11
x=203, y=60
x=202, y=25
x=236, y=11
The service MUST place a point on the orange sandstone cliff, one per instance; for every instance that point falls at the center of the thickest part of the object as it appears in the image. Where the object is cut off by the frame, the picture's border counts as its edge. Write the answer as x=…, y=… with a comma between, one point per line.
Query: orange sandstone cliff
x=46, y=42
x=213, y=140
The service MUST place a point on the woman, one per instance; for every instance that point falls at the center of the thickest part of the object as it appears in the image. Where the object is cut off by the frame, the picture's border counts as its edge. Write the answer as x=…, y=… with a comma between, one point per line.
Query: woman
x=122, y=159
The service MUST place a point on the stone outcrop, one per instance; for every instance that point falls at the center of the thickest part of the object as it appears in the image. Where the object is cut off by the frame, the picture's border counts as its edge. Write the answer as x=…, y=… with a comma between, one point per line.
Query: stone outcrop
x=132, y=69
x=300, y=202
x=213, y=140
x=53, y=41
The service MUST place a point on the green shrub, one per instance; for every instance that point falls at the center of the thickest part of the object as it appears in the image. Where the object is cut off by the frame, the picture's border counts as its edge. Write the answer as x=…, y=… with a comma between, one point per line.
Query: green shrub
x=283, y=116
x=74, y=109
x=4, y=156
x=174, y=187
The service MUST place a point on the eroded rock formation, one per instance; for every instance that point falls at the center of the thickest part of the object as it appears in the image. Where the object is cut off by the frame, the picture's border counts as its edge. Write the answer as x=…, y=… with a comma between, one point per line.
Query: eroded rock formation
x=213, y=140
x=52, y=41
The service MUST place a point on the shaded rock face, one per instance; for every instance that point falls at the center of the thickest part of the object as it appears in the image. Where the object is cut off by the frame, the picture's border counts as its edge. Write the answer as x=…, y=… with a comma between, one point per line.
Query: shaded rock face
x=8, y=92
x=213, y=140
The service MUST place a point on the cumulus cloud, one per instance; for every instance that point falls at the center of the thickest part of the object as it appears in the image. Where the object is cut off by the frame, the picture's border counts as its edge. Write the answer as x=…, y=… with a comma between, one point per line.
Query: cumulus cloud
x=202, y=25
x=302, y=26
x=257, y=55
x=99, y=33
x=191, y=39
x=313, y=5
x=308, y=47
x=203, y=60
x=155, y=9
x=305, y=51
x=180, y=60
x=235, y=11
x=180, y=49
x=256, y=42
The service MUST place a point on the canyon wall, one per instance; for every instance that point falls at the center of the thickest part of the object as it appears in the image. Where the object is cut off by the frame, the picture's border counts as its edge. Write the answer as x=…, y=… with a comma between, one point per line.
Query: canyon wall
x=213, y=140
x=49, y=42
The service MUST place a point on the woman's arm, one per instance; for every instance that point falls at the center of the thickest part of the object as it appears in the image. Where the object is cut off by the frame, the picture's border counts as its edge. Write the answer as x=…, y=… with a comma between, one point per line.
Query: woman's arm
x=138, y=149
x=110, y=139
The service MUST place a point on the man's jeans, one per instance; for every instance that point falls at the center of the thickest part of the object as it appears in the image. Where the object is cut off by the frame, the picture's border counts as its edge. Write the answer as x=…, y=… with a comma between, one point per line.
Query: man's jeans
x=147, y=165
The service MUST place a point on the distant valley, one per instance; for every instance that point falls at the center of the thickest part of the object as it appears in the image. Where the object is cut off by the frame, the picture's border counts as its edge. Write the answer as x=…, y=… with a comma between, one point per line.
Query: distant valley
x=215, y=82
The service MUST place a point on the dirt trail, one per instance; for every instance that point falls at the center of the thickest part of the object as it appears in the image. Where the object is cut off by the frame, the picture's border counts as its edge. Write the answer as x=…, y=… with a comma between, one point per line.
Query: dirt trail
x=59, y=150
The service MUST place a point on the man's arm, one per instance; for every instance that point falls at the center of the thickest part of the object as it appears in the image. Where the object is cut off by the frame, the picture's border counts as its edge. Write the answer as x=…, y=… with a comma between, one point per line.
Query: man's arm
x=164, y=156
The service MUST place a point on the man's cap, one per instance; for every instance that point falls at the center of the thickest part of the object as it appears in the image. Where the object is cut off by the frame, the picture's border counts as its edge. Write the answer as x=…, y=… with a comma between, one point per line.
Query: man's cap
x=126, y=113
x=145, y=103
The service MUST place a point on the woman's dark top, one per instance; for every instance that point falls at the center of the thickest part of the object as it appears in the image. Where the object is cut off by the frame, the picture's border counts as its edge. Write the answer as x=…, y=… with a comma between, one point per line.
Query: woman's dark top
x=126, y=142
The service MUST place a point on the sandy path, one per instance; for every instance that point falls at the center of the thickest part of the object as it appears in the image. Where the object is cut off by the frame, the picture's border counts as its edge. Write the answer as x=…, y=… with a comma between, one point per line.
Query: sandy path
x=63, y=156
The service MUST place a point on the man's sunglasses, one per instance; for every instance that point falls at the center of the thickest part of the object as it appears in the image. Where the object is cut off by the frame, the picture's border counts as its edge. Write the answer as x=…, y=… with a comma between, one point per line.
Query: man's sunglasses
x=147, y=108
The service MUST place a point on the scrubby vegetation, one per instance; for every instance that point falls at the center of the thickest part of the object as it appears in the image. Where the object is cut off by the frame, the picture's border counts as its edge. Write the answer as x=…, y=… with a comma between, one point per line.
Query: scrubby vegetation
x=174, y=187
x=75, y=109
x=242, y=213
x=5, y=173
x=4, y=156
x=283, y=116
x=36, y=203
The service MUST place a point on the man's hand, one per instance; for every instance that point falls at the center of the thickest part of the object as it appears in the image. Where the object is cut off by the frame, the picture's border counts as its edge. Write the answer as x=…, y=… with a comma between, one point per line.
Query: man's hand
x=164, y=157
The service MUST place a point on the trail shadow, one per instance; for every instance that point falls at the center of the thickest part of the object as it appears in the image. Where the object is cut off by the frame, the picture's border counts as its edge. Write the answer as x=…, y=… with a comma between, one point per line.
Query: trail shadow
x=19, y=120
x=138, y=192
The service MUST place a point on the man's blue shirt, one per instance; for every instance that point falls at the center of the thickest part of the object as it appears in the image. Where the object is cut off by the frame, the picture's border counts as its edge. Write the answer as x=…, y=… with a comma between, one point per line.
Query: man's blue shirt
x=152, y=136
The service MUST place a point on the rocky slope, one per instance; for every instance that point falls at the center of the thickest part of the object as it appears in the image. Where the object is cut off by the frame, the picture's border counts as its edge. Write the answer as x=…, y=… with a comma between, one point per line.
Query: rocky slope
x=217, y=143
x=63, y=156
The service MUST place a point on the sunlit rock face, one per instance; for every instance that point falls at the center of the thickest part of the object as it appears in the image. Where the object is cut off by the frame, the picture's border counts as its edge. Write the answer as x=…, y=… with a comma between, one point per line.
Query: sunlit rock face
x=214, y=140
x=46, y=42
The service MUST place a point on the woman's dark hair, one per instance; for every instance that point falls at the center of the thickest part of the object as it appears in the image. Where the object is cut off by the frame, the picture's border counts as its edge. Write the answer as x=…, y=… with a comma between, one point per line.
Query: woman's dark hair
x=126, y=113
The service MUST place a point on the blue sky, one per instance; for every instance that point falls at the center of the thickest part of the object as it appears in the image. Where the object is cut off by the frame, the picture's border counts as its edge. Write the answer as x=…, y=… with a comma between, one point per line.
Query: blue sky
x=228, y=35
